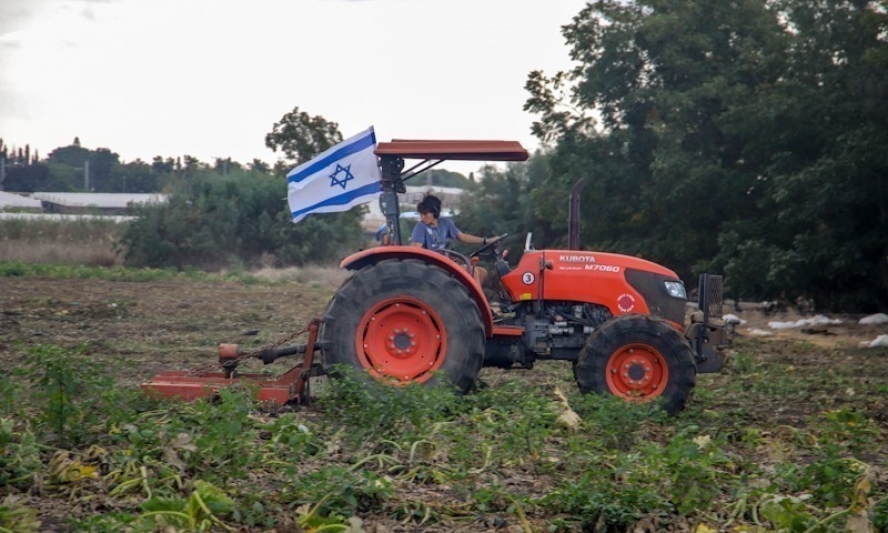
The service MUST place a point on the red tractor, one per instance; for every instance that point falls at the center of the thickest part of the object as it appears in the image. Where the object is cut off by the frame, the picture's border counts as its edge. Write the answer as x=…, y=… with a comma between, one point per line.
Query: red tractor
x=412, y=315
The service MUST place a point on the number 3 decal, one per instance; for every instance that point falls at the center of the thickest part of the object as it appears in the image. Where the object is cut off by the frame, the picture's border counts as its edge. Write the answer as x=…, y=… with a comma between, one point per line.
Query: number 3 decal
x=528, y=278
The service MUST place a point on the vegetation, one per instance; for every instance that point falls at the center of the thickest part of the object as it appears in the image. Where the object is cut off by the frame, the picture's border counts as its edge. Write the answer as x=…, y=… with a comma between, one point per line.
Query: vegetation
x=745, y=139
x=104, y=457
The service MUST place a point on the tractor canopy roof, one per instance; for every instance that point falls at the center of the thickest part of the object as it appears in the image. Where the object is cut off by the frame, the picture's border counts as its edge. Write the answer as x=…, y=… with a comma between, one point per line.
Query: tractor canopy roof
x=455, y=150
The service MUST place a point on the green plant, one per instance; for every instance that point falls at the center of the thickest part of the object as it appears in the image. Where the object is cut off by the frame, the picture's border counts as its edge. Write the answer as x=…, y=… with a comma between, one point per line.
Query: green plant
x=338, y=490
x=201, y=511
x=691, y=463
x=74, y=393
x=847, y=428
x=880, y=515
x=371, y=409
x=220, y=433
x=19, y=454
x=594, y=499
x=743, y=363
x=16, y=517
x=292, y=439
x=830, y=477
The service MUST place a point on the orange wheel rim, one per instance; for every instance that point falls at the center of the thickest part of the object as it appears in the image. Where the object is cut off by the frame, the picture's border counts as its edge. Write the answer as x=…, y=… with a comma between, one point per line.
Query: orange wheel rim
x=637, y=372
x=401, y=339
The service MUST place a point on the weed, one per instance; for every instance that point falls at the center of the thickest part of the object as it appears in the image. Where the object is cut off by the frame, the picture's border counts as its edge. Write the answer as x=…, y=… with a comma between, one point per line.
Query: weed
x=201, y=511
x=218, y=434
x=107, y=523
x=846, y=427
x=75, y=395
x=291, y=439
x=880, y=515
x=692, y=464
x=19, y=455
x=830, y=478
x=16, y=517
x=742, y=363
x=338, y=490
x=595, y=499
x=371, y=409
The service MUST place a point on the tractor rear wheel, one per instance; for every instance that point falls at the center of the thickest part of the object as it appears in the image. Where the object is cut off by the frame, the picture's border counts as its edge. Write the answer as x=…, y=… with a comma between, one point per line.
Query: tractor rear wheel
x=640, y=358
x=405, y=321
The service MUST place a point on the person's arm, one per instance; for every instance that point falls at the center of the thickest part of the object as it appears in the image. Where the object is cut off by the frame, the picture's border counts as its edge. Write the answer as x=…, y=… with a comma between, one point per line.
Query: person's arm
x=418, y=236
x=470, y=239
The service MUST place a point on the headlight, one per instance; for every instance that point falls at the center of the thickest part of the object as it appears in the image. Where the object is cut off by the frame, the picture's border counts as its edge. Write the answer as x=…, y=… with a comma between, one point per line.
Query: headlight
x=676, y=289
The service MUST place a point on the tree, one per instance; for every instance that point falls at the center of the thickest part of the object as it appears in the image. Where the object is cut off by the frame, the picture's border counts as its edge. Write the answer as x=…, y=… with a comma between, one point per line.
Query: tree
x=300, y=136
x=721, y=126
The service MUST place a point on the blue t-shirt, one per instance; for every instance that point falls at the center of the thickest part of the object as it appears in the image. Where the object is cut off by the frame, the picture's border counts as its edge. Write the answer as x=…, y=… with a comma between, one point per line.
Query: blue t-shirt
x=434, y=238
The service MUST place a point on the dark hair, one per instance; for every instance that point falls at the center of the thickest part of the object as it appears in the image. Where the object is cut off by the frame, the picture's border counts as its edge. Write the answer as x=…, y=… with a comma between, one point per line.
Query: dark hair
x=430, y=204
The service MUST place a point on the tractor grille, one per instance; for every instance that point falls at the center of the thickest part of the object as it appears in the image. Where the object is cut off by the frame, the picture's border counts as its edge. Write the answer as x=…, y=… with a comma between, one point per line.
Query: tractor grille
x=652, y=287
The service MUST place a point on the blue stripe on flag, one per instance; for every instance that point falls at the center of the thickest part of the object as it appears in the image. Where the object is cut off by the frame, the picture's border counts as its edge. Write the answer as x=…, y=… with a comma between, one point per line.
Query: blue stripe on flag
x=344, y=198
x=359, y=144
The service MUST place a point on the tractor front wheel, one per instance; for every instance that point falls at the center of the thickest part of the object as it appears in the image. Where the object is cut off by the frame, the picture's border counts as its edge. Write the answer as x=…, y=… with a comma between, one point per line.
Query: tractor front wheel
x=405, y=321
x=640, y=358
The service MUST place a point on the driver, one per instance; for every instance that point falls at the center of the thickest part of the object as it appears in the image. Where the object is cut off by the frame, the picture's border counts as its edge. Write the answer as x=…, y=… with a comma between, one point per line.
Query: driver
x=432, y=231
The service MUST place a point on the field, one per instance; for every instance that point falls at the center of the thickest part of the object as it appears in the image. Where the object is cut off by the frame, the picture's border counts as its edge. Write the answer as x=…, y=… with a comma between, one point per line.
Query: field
x=792, y=436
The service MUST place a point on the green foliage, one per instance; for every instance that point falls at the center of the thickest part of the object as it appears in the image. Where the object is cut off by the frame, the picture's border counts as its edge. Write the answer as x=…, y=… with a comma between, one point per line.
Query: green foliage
x=241, y=219
x=300, y=136
x=441, y=178
x=880, y=515
x=17, y=517
x=594, y=499
x=372, y=409
x=338, y=491
x=19, y=454
x=744, y=138
x=202, y=511
x=427, y=457
x=76, y=395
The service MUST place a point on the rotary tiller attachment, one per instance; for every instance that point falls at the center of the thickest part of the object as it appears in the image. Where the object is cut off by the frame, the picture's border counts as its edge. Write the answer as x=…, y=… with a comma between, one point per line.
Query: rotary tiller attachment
x=291, y=387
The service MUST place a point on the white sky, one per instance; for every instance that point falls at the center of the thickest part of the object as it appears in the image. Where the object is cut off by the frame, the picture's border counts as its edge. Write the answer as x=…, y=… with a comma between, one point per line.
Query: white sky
x=209, y=78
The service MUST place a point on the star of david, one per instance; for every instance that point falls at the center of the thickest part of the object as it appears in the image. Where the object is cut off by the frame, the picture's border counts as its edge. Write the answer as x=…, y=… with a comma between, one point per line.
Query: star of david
x=341, y=182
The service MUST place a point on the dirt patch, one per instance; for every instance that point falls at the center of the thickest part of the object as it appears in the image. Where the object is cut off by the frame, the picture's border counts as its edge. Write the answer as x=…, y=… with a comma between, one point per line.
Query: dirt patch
x=148, y=327
x=151, y=326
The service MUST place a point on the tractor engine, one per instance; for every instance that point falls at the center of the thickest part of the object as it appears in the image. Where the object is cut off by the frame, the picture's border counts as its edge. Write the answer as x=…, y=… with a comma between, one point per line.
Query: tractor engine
x=552, y=330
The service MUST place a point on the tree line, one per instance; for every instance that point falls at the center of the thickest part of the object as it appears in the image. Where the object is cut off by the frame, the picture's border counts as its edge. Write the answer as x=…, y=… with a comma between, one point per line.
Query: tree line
x=745, y=138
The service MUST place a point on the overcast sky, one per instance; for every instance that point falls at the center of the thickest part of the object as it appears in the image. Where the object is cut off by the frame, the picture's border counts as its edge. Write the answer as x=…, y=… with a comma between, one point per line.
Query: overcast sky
x=209, y=78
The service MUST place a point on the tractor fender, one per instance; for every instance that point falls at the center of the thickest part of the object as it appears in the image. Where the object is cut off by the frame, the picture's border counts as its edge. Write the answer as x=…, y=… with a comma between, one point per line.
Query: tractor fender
x=371, y=256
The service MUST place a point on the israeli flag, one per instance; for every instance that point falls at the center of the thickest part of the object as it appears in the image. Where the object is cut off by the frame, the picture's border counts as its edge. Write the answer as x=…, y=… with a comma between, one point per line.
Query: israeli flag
x=340, y=178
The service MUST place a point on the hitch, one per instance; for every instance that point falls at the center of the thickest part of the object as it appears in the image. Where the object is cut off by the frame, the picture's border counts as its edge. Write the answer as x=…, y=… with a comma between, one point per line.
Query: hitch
x=291, y=387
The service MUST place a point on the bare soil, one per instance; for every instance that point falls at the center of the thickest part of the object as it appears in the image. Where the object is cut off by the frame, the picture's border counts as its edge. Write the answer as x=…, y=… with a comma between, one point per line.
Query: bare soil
x=177, y=325
x=151, y=326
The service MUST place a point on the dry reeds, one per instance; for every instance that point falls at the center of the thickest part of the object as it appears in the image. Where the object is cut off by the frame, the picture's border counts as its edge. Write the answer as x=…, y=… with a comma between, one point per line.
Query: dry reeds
x=74, y=242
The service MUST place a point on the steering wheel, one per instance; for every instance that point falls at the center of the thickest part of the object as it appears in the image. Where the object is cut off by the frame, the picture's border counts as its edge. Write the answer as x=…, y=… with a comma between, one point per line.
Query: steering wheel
x=490, y=244
x=456, y=256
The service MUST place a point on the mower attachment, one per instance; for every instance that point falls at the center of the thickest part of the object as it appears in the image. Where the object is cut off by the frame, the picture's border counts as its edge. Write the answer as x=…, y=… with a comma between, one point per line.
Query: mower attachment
x=291, y=387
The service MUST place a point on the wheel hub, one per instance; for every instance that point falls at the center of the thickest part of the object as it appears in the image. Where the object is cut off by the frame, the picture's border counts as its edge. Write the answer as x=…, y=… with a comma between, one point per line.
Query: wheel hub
x=401, y=339
x=637, y=371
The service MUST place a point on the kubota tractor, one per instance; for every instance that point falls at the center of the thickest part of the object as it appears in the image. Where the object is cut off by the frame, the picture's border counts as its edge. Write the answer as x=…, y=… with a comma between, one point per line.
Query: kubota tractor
x=412, y=315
